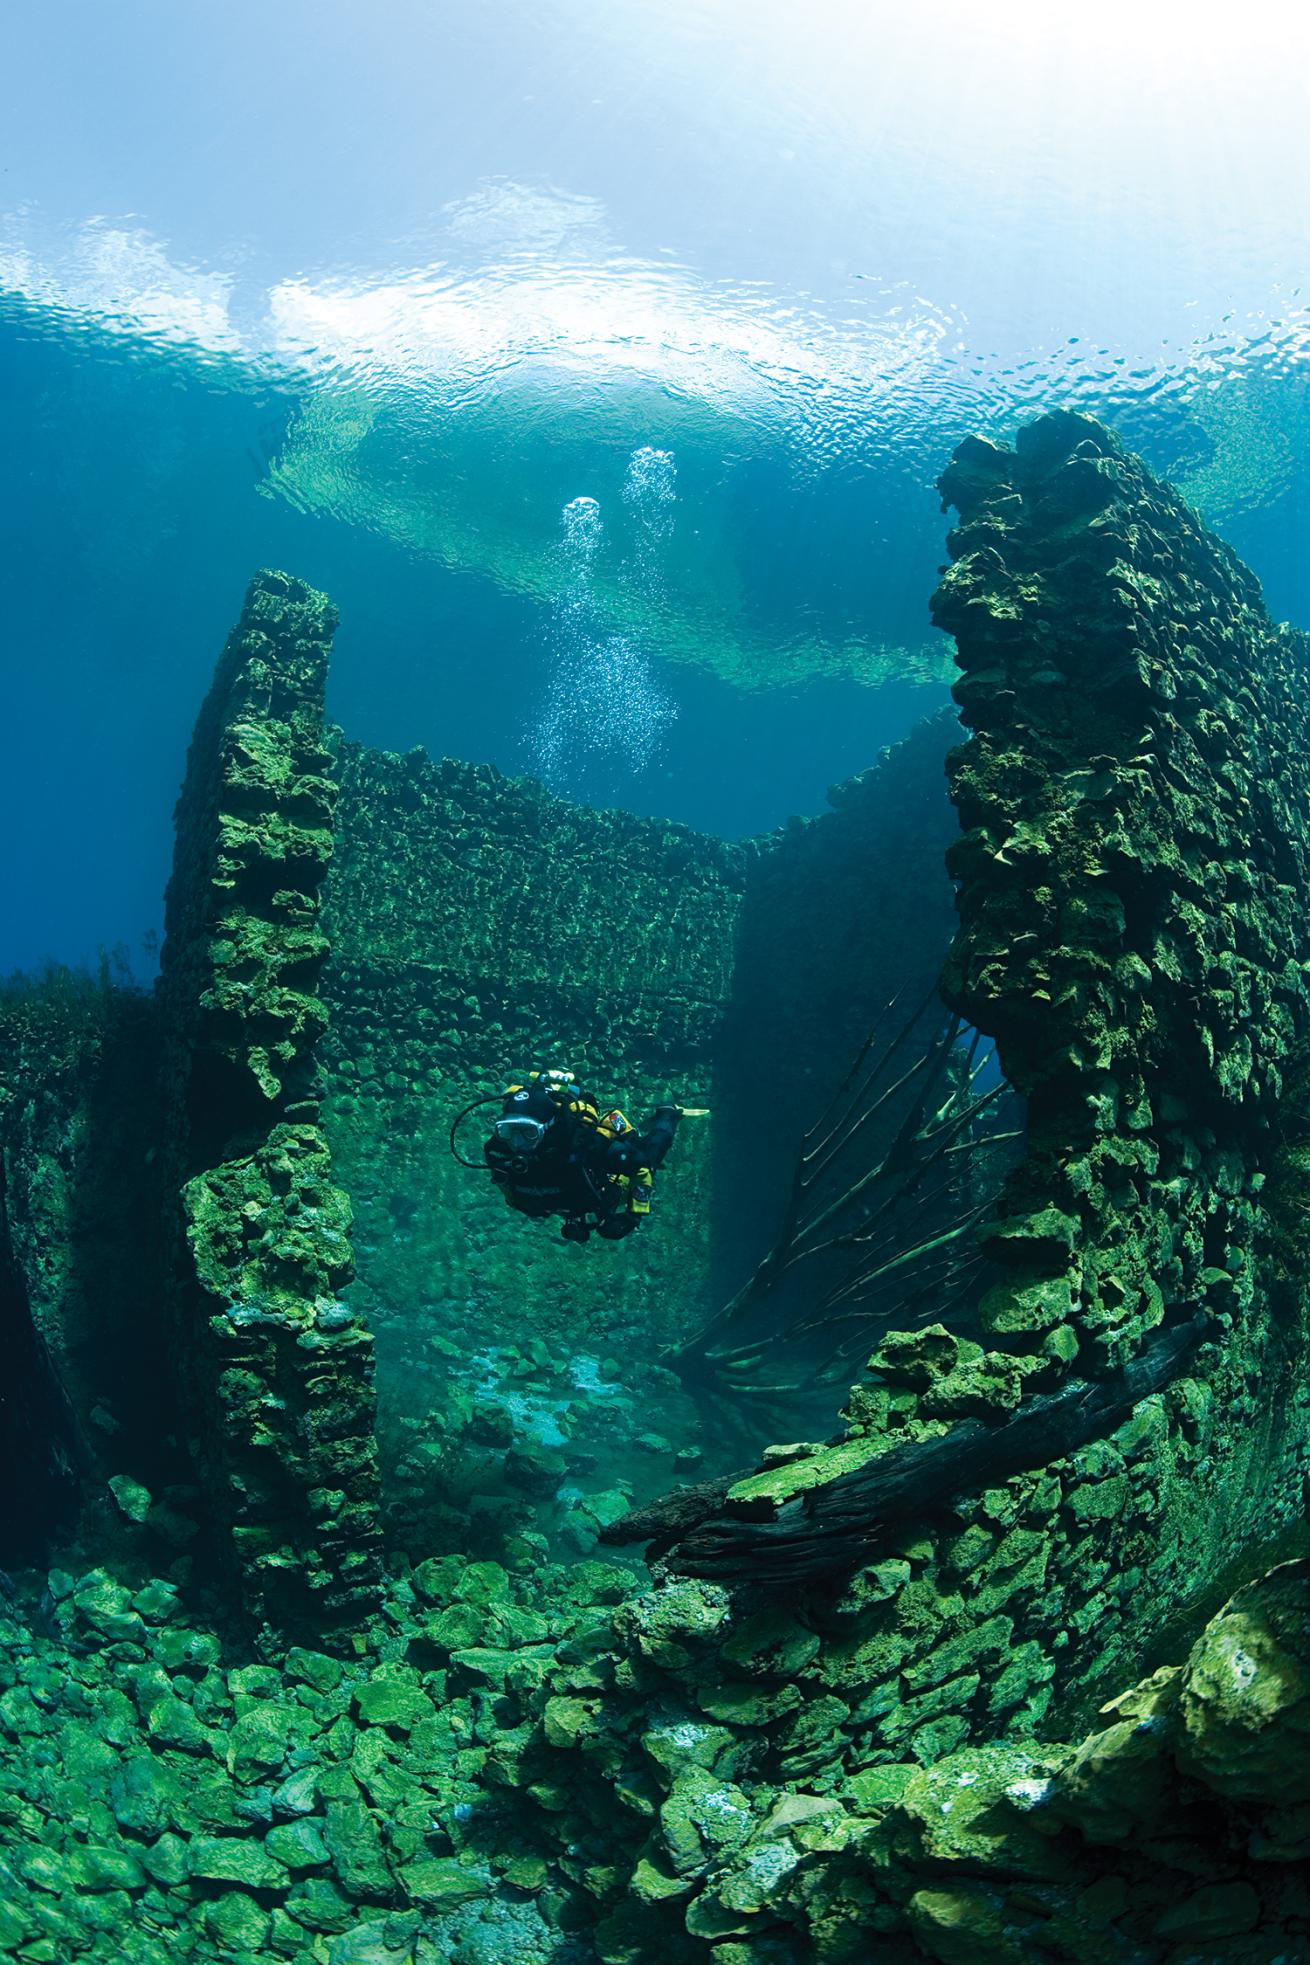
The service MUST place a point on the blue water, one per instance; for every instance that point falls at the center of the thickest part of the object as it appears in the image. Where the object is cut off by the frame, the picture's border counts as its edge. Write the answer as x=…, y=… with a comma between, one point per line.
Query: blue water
x=599, y=362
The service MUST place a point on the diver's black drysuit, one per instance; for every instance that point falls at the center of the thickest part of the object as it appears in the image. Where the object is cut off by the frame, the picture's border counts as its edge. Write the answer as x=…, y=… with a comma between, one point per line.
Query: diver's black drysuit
x=580, y=1170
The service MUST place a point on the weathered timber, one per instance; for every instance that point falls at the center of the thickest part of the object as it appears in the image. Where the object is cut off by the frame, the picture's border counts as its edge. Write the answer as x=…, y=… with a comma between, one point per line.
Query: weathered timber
x=705, y=1531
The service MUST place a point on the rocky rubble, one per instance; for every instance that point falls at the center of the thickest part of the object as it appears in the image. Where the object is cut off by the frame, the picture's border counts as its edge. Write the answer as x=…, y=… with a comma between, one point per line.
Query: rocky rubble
x=159, y=1798
x=539, y=1765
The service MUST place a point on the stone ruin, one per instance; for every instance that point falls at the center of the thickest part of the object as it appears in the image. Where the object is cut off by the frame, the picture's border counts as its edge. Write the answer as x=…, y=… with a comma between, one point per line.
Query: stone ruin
x=338, y=1660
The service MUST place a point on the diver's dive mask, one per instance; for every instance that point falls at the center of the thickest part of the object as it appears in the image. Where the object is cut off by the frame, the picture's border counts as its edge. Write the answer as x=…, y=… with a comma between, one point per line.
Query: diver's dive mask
x=521, y=1134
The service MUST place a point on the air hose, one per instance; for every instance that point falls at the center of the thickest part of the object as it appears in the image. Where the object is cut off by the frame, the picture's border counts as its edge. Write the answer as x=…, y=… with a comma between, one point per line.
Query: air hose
x=478, y=1166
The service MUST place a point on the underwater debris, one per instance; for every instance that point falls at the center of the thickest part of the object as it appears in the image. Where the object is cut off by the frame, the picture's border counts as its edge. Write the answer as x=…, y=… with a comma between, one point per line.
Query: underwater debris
x=326, y=1809
x=830, y=1510
x=889, y=1182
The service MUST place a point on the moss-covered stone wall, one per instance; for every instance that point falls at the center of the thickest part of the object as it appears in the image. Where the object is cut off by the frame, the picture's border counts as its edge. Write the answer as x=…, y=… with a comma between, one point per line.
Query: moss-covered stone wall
x=1134, y=853
x=1130, y=930
x=79, y=1279
x=480, y=927
x=275, y=1368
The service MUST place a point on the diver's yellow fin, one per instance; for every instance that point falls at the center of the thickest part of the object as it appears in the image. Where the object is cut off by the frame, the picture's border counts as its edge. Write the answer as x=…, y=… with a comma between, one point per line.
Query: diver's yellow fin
x=694, y=1111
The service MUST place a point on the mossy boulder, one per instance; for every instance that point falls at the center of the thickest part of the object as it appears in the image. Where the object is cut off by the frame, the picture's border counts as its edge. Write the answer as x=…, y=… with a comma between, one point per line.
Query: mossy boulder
x=237, y=1924
x=355, y=1844
x=234, y=1859
x=260, y=1740
x=298, y=1845
x=702, y=1818
x=107, y=1608
x=440, y=1883
x=393, y=1702
x=313, y=1668
x=1245, y=1694
x=974, y=1809
x=97, y=1866
x=144, y=1792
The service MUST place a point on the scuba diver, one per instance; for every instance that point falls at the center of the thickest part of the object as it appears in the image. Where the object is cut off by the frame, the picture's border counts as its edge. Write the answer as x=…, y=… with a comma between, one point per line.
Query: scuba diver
x=553, y=1152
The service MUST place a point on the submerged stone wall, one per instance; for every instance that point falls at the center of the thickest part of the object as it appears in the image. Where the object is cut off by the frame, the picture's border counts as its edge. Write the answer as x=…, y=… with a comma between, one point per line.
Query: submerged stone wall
x=840, y=915
x=1131, y=931
x=275, y=1369
x=1134, y=862
x=482, y=927
x=869, y=1765
x=79, y=1280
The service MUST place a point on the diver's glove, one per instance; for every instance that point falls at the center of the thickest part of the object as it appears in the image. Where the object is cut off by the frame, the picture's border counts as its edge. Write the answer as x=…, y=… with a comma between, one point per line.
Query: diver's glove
x=658, y=1137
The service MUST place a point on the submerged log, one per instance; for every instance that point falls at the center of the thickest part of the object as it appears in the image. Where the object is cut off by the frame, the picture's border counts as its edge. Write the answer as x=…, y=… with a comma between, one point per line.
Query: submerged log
x=703, y=1531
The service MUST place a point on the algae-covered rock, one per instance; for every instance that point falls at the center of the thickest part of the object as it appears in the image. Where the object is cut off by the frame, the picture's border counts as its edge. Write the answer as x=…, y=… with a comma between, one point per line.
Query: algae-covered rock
x=298, y=1844
x=376, y=1941
x=171, y=1722
x=674, y=1740
x=967, y=1924
x=355, y=1845
x=251, y=1682
x=93, y=1866
x=916, y=1358
x=974, y=1808
x=166, y=1860
x=701, y=1818
x=134, y=1499
x=107, y=1607
x=1245, y=1694
x=157, y=1601
x=441, y=1883
x=234, y=1859
x=319, y=1905
x=1121, y=1782
x=394, y=1703
x=675, y=1621
x=313, y=1668
x=143, y=1793
x=298, y=1795
x=237, y=1923
x=258, y=1743
x=652, y=1885
x=565, y=1720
